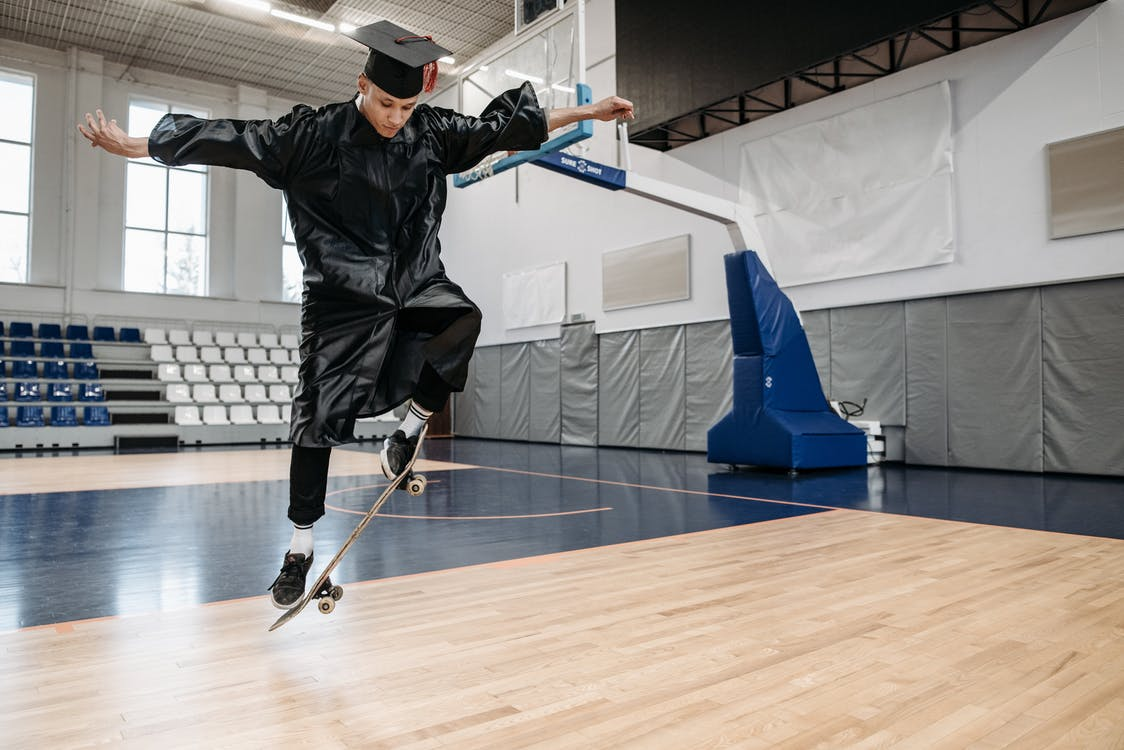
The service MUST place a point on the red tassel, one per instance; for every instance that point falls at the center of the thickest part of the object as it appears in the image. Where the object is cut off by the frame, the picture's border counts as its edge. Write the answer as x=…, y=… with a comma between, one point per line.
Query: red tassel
x=429, y=77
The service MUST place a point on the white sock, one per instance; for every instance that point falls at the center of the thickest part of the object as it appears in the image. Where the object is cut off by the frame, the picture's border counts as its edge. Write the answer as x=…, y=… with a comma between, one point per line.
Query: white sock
x=301, y=543
x=415, y=420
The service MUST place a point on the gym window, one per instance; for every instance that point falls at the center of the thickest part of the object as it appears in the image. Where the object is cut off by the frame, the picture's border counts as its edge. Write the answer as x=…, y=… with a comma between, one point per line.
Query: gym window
x=17, y=102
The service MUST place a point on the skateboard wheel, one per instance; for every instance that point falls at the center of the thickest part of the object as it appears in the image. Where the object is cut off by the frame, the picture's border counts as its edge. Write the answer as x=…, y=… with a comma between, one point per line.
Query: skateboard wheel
x=326, y=605
x=336, y=593
x=416, y=485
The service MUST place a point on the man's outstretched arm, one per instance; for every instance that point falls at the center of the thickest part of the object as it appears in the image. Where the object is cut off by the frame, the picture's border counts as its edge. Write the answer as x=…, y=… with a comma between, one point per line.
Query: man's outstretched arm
x=609, y=108
x=111, y=137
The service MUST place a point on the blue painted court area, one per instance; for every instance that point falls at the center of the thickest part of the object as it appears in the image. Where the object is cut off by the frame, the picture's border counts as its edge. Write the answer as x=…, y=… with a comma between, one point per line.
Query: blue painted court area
x=78, y=555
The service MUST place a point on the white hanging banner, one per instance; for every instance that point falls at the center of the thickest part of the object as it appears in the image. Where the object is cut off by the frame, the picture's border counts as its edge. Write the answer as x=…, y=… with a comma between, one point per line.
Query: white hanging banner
x=534, y=297
x=865, y=192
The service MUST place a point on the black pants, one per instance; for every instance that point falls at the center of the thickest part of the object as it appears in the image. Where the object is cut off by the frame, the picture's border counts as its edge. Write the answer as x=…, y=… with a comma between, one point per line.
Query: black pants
x=308, y=468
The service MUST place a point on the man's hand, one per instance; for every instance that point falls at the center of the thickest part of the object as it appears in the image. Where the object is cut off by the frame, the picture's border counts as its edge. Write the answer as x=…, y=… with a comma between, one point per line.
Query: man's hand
x=609, y=108
x=111, y=137
x=612, y=108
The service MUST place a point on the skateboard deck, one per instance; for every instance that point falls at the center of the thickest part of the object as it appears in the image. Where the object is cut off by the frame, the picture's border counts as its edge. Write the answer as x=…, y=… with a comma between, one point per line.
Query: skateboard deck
x=322, y=588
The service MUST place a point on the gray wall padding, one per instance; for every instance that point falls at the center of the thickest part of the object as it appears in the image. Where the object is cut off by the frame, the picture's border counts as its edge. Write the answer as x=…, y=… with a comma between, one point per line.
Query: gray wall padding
x=995, y=380
x=1083, y=377
x=926, y=398
x=817, y=327
x=579, y=367
x=487, y=408
x=546, y=392
x=709, y=365
x=663, y=388
x=619, y=386
x=464, y=404
x=515, y=391
x=868, y=359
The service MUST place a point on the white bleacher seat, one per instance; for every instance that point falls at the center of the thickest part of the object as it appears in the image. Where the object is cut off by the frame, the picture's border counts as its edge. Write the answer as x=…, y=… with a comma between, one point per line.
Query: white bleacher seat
x=245, y=374
x=224, y=339
x=290, y=341
x=287, y=413
x=234, y=355
x=220, y=374
x=295, y=356
x=187, y=415
x=187, y=353
x=169, y=373
x=257, y=356
x=255, y=393
x=290, y=374
x=204, y=393
x=268, y=374
x=195, y=373
x=215, y=415
x=162, y=353
x=269, y=414
x=178, y=393
x=279, y=393
x=279, y=356
x=242, y=414
x=202, y=338
x=210, y=354
x=268, y=341
x=247, y=339
x=230, y=394
x=154, y=336
x=178, y=336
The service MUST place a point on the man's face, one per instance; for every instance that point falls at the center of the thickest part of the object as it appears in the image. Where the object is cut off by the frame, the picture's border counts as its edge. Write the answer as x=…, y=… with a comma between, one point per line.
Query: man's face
x=386, y=113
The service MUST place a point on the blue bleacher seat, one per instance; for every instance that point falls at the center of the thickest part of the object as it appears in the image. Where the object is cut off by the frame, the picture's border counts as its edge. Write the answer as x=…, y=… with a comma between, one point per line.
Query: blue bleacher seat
x=51, y=350
x=24, y=368
x=81, y=350
x=129, y=334
x=55, y=370
x=23, y=349
x=3, y=369
x=1, y=328
x=64, y=416
x=21, y=330
x=50, y=331
x=2, y=344
x=95, y=416
x=27, y=391
x=60, y=391
x=91, y=392
x=104, y=333
x=85, y=371
x=3, y=391
x=75, y=332
x=3, y=412
x=29, y=416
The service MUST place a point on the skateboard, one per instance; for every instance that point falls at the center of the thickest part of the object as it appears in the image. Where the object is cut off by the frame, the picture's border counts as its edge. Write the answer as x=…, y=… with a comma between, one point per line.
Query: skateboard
x=322, y=589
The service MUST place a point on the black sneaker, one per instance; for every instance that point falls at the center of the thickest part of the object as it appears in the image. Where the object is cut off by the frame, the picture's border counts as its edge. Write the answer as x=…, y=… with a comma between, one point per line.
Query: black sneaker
x=288, y=587
x=397, y=450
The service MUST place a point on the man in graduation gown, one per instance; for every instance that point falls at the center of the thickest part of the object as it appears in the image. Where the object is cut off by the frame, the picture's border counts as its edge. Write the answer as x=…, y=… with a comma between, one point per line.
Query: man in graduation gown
x=365, y=182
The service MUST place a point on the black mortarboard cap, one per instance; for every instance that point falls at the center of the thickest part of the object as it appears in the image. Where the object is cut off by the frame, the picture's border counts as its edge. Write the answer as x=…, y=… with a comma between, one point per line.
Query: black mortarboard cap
x=398, y=58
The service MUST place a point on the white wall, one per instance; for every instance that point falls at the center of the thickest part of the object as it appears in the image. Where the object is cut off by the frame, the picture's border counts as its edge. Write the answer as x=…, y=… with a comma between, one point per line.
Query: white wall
x=1011, y=97
x=78, y=197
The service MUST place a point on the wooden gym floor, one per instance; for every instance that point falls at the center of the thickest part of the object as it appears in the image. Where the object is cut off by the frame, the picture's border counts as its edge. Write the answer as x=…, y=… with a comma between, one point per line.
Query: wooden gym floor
x=540, y=596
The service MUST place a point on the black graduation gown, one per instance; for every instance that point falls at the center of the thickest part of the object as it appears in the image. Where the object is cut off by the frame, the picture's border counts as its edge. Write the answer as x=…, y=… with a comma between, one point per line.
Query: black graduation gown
x=365, y=212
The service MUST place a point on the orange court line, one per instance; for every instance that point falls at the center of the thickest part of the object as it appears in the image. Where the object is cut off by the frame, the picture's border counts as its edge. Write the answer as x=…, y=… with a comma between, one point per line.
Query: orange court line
x=470, y=518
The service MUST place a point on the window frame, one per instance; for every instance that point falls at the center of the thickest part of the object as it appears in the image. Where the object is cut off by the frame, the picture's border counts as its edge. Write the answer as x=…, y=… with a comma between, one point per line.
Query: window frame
x=150, y=163
x=19, y=77
x=286, y=232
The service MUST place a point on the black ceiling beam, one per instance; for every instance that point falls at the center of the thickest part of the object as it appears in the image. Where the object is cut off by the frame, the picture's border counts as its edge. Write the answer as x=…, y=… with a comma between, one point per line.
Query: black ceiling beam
x=668, y=137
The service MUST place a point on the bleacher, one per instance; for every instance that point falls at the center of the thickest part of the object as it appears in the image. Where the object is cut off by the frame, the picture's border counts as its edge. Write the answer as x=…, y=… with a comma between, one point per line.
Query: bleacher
x=61, y=387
